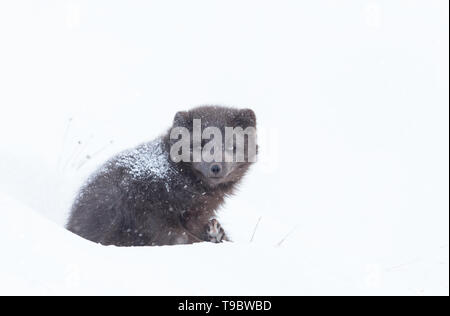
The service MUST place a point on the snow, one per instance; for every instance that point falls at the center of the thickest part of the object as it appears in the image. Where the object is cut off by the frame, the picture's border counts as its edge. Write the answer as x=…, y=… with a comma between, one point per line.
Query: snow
x=40, y=264
x=350, y=192
x=146, y=160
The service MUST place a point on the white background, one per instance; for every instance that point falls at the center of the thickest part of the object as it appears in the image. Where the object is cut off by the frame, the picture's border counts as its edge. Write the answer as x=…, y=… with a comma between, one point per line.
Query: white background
x=352, y=105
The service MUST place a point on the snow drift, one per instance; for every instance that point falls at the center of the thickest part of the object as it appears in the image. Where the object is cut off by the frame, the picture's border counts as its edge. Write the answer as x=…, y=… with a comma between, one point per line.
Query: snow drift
x=39, y=257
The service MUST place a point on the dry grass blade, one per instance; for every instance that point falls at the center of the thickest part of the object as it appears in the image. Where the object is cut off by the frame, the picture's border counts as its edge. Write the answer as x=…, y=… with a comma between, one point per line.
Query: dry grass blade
x=254, y=230
x=286, y=237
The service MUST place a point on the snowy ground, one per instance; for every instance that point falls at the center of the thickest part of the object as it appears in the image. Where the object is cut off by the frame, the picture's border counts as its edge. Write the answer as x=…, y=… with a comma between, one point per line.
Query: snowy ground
x=352, y=103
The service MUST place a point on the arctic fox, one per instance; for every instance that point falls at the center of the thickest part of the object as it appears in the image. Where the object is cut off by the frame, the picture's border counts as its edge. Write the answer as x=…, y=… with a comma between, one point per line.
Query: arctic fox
x=141, y=197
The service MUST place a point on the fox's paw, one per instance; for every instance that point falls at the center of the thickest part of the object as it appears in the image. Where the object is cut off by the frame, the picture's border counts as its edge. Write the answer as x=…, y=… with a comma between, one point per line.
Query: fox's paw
x=215, y=232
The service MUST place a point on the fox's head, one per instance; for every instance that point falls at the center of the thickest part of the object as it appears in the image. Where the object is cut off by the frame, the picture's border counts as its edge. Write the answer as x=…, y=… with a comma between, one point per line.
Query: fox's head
x=218, y=143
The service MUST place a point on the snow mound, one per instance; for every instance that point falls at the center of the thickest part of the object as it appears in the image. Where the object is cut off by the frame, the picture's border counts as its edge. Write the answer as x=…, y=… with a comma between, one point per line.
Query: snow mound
x=39, y=257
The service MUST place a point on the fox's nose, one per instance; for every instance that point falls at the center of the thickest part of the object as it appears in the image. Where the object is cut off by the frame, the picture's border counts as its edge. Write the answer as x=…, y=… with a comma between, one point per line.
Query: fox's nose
x=215, y=169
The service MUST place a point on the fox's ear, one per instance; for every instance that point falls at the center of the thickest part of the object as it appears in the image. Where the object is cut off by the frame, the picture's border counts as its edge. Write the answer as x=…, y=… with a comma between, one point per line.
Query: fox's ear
x=181, y=119
x=245, y=118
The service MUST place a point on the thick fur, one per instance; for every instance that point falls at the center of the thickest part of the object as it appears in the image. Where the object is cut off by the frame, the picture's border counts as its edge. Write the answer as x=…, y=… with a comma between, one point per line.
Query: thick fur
x=129, y=202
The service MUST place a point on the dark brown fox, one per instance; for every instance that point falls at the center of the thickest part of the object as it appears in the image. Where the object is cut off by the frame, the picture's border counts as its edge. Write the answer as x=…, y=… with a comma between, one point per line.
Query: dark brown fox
x=141, y=197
